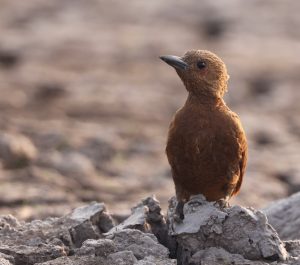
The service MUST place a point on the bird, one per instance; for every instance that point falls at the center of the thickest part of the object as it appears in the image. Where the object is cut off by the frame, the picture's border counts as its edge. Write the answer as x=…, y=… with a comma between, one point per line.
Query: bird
x=206, y=145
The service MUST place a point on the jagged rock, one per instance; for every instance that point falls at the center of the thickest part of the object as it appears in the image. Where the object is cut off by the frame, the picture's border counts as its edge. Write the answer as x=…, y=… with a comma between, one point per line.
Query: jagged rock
x=238, y=230
x=125, y=247
x=213, y=256
x=4, y=262
x=74, y=260
x=100, y=247
x=141, y=244
x=122, y=258
x=208, y=235
x=137, y=220
x=6, y=258
x=67, y=163
x=284, y=216
x=26, y=255
x=293, y=247
x=39, y=241
x=156, y=261
x=92, y=221
x=147, y=217
x=16, y=150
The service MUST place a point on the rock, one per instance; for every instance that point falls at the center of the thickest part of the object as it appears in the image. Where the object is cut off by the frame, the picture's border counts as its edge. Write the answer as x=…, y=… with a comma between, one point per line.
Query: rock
x=47, y=92
x=137, y=220
x=293, y=247
x=122, y=258
x=74, y=260
x=40, y=241
x=67, y=163
x=125, y=247
x=208, y=235
x=88, y=222
x=6, y=259
x=33, y=254
x=147, y=217
x=291, y=179
x=100, y=247
x=141, y=244
x=9, y=58
x=4, y=262
x=96, y=213
x=238, y=230
x=16, y=150
x=213, y=256
x=156, y=221
x=284, y=216
x=156, y=261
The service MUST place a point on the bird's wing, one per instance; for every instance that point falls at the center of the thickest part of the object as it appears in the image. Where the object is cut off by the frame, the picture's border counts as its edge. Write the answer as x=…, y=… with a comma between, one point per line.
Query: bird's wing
x=243, y=161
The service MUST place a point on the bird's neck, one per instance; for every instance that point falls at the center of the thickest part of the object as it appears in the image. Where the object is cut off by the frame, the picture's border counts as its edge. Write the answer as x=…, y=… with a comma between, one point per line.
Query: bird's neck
x=206, y=100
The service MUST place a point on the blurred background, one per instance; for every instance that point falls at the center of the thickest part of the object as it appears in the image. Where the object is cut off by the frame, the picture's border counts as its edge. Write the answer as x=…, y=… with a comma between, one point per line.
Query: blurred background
x=85, y=102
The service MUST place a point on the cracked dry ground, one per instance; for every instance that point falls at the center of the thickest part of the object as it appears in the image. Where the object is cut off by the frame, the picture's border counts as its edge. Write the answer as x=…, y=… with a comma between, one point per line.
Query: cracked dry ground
x=85, y=102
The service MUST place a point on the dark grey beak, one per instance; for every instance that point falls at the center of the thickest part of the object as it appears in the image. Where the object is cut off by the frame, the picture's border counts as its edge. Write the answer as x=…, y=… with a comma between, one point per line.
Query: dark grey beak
x=174, y=61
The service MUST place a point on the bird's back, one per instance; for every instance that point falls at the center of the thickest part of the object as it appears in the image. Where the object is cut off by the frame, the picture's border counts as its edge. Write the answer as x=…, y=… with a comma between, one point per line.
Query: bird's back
x=207, y=151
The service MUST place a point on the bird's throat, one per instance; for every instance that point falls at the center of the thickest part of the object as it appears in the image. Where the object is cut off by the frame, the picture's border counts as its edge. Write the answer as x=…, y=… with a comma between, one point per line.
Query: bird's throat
x=203, y=99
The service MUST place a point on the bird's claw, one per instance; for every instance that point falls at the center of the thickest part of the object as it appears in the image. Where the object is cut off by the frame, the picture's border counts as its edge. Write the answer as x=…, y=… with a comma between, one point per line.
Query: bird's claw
x=178, y=215
x=222, y=203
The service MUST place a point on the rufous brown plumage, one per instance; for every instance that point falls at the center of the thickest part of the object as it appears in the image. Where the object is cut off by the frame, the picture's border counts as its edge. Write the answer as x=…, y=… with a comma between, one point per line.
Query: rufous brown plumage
x=206, y=146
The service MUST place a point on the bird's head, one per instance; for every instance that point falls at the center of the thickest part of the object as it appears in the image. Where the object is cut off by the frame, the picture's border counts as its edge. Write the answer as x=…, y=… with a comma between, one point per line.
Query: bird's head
x=202, y=72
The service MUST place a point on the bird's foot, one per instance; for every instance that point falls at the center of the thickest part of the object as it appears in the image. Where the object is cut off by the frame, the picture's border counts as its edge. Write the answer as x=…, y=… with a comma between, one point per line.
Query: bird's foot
x=222, y=203
x=178, y=215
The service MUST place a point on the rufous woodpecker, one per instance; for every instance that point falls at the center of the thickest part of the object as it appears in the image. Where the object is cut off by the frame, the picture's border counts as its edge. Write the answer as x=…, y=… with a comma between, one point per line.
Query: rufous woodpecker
x=206, y=146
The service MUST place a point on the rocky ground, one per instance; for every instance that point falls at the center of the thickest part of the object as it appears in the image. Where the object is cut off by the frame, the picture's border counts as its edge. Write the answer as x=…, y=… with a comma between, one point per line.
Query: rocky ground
x=208, y=235
x=85, y=102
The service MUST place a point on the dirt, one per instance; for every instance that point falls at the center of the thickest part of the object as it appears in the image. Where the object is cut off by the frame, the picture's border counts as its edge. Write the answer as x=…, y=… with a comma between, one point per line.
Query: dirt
x=82, y=81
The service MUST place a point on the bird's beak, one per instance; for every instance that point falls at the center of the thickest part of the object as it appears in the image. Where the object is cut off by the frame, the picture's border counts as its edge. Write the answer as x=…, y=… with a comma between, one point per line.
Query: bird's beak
x=174, y=61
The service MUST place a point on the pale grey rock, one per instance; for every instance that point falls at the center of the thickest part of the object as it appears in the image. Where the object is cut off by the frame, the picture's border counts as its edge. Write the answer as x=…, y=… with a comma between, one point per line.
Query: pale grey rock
x=137, y=220
x=213, y=256
x=238, y=230
x=122, y=258
x=284, y=216
x=147, y=217
x=16, y=150
x=156, y=261
x=91, y=221
x=100, y=247
x=9, y=258
x=74, y=260
x=67, y=163
x=4, y=262
x=33, y=254
x=40, y=241
x=293, y=248
x=141, y=244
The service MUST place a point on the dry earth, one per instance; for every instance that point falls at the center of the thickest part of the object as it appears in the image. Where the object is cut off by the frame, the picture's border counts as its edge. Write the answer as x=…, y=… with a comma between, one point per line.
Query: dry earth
x=85, y=102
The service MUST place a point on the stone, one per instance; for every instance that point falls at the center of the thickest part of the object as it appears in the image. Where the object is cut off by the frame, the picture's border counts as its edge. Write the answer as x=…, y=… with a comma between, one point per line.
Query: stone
x=147, y=217
x=4, y=262
x=7, y=259
x=213, y=256
x=236, y=229
x=284, y=216
x=141, y=244
x=100, y=247
x=67, y=163
x=40, y=241
x=16, y=150
x=122, y=258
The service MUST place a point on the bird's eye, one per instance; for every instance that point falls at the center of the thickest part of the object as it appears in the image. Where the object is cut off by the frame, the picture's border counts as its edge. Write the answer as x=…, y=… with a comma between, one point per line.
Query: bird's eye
x=201, y=64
